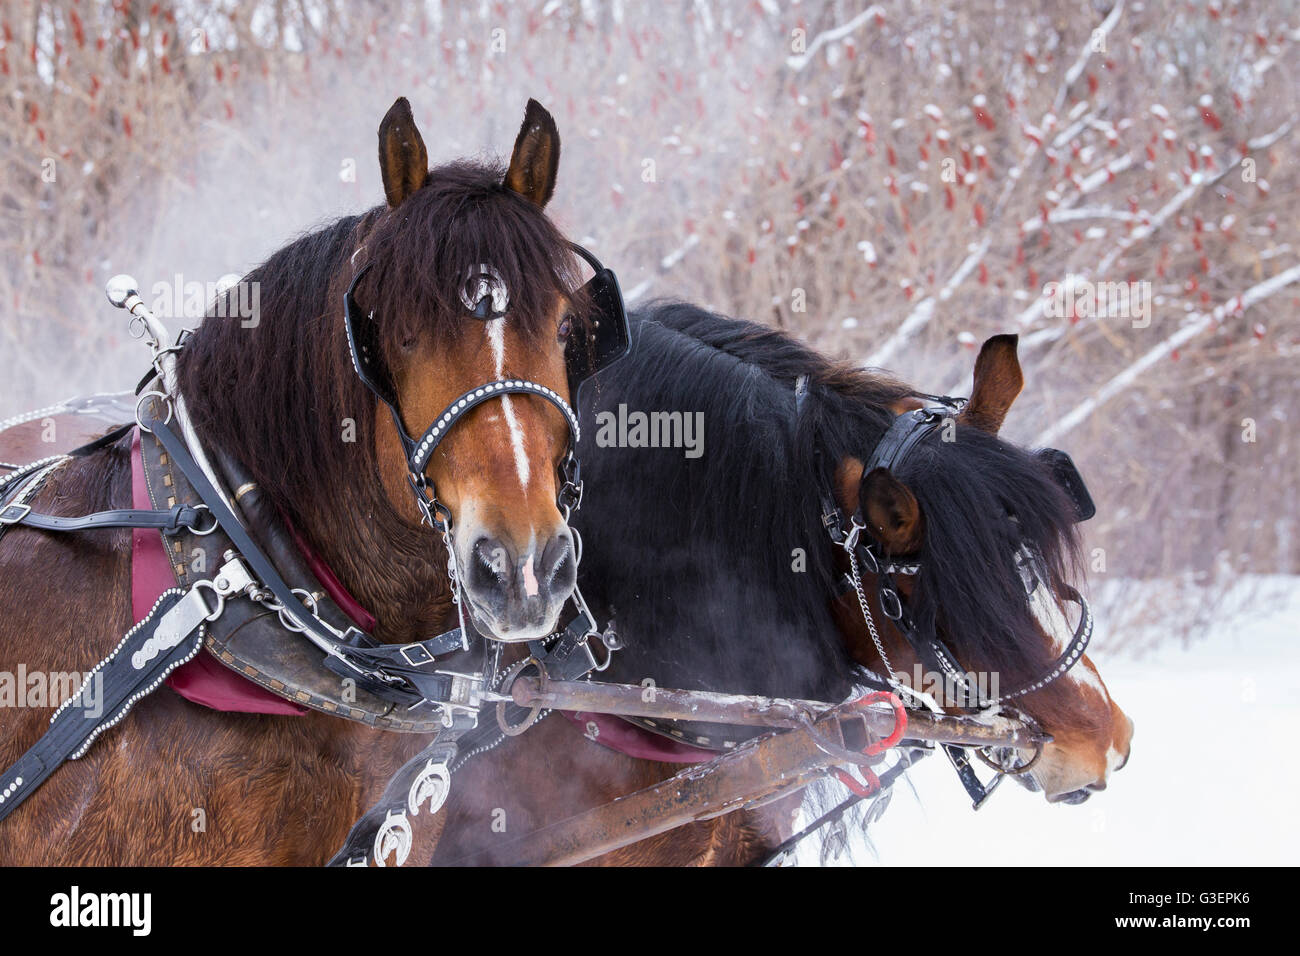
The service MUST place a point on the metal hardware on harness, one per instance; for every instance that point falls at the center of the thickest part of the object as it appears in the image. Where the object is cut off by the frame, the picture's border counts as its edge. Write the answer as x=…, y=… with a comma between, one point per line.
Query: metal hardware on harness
x=122, y=291
x=184, y=618
x=850, y=546
x=507, y=682
x=432, y=784
x=394, y=835
x=14, y=514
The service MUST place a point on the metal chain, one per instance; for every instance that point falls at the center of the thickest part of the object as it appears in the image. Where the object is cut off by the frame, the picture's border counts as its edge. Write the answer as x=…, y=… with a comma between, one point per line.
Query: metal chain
x=850, y=546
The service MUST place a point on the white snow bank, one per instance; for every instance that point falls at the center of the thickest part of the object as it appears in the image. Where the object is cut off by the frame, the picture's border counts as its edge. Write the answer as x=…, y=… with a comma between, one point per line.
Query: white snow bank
x=1212, y=780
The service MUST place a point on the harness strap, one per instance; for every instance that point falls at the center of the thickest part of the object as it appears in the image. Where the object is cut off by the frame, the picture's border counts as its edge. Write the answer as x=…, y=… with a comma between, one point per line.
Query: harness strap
x=426, y=777
x=830, y=512
x=402, y=673
x=385, y=829
x=169, y=636
x=422, y=450
x=978, y=791
x=192, y=517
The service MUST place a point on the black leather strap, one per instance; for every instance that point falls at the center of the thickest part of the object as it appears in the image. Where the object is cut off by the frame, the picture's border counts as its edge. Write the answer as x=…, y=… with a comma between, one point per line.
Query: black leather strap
x=355, y=655
x=103, y=441
x=196, y=519
x=244, y=544
x=971, y=783
x=904, y=433
x=145, y=656
x=419, y=452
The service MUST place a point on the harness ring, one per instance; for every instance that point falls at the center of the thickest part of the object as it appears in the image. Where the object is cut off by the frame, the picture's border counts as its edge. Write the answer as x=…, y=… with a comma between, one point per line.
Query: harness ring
x=507, y=728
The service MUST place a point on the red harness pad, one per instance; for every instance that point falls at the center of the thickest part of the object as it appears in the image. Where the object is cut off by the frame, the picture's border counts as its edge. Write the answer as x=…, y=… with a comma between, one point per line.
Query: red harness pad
x=615, y=733
x=202, y=680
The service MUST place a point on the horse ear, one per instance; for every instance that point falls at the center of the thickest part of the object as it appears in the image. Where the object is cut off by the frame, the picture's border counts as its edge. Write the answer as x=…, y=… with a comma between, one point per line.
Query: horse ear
x=403, y=160
x=891, y=512
x=998, y=380
x=536, y=158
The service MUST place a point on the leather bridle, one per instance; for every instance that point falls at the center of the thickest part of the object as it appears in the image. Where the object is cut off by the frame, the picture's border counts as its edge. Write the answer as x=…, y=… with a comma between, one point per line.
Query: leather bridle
x=865, y=552
x=418, y=452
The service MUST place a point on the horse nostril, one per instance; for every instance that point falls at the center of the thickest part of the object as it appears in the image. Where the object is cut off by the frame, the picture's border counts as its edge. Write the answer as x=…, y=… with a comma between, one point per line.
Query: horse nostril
x=556, y=568
x=489, y=564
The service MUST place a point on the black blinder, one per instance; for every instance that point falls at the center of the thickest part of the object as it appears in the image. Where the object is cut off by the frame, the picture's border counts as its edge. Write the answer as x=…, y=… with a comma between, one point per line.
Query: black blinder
x=1065, y=474
x=607, y=336
x=363, y=344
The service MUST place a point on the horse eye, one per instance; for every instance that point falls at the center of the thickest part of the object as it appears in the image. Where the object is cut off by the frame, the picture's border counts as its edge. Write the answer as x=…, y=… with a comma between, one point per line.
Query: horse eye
x=566, y=327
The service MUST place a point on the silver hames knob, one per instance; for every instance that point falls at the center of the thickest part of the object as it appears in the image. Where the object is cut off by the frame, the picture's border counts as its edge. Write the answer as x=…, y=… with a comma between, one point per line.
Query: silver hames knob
x=120, y=288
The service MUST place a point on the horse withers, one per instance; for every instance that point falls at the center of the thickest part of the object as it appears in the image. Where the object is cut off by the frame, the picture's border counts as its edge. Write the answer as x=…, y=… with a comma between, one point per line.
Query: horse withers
x=719, y=573
x=457, y=285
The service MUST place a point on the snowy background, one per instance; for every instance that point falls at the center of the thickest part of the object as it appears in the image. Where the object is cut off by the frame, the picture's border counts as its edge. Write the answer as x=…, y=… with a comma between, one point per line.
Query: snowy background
x=892, y=183
x=1210, y=781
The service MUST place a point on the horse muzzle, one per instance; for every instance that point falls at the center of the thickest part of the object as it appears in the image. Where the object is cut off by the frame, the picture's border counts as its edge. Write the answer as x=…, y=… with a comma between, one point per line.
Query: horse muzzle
x=515, y=597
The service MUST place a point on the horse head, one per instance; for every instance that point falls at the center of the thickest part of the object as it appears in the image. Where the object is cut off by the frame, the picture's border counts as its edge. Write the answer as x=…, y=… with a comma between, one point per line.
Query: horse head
x=468, y=285
x=978, y=543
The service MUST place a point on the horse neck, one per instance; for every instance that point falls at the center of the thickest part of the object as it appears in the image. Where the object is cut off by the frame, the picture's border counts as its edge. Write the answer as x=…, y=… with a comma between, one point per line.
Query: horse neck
x=395, y=569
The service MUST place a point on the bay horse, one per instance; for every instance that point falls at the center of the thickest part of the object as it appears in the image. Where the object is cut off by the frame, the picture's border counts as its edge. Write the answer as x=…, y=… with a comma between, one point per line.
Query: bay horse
x=719, y=575
x=181, y=784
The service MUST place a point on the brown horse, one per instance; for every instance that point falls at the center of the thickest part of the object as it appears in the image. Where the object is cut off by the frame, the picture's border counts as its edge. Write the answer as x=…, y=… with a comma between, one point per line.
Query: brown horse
x=720, y=576
x=177, y=783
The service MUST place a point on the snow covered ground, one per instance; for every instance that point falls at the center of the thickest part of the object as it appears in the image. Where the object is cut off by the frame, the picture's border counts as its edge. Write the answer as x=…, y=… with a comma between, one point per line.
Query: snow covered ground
x=1211, y=781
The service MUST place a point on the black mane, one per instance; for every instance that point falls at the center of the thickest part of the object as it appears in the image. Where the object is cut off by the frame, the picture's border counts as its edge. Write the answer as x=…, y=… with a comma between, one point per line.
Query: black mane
x=695, y=556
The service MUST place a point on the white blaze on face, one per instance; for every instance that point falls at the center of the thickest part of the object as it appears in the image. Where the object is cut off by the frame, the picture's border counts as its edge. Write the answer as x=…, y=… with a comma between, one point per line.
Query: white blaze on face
x=1059, y=627
x=496, y=333
x=1051, y=618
